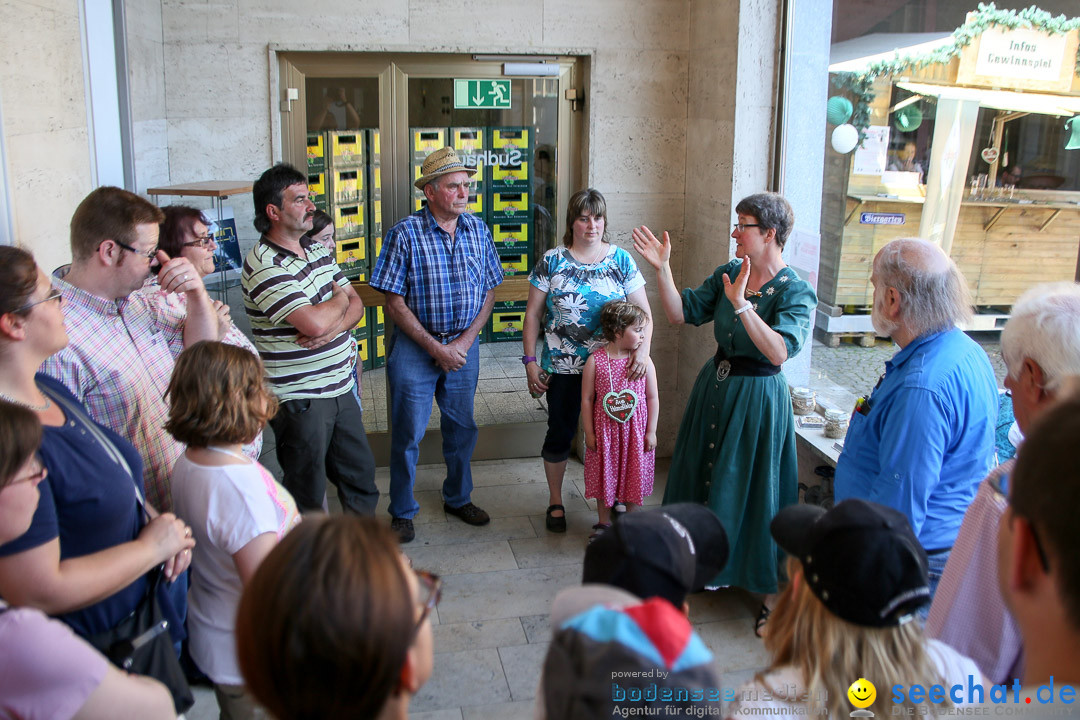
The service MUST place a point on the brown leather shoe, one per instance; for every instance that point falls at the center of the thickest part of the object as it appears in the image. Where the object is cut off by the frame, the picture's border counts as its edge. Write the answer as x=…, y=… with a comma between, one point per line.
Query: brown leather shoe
x=469, y=513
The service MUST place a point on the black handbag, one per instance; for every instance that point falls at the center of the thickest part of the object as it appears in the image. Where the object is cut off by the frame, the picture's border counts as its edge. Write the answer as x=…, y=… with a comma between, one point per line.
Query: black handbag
x=141, y=642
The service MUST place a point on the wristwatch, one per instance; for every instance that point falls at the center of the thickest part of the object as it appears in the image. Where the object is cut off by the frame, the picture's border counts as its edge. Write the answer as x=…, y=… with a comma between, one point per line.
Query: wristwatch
x=526, y=359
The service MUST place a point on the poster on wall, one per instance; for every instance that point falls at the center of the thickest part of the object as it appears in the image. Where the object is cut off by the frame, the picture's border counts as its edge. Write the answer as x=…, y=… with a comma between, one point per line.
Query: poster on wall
x=227, y=255
x=872, y=155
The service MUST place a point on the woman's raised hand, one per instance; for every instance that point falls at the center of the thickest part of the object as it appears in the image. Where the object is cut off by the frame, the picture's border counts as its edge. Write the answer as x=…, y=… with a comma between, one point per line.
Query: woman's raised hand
x=653, y=251
x=736, y=291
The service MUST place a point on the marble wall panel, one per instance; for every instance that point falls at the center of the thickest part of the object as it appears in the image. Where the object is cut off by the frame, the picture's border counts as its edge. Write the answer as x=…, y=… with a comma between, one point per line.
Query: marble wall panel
x=639, y=83
x=638, y=155
x=217, y=80
x=657, y=25
x=143, y=20
x=371, y=22
x=201, y=20
x=480, y=23
x=146, y=78
x=42, y=79
x=50, y=175
x=150, y=140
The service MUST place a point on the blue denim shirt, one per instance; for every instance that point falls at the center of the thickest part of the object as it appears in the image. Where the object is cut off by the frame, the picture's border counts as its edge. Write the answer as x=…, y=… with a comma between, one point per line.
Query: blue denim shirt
x=443, y=282
x=928, y=438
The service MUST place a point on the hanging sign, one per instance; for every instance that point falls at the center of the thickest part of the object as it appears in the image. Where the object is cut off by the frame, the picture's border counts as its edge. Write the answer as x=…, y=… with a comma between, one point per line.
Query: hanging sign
x=1023, y=58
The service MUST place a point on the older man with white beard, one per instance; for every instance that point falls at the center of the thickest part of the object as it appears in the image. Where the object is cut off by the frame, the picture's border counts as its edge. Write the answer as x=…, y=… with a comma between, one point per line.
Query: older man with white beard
x=924, y=438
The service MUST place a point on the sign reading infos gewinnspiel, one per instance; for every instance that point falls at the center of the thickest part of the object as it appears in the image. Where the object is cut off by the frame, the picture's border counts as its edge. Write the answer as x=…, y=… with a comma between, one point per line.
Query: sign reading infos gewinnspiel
x=1023, y=58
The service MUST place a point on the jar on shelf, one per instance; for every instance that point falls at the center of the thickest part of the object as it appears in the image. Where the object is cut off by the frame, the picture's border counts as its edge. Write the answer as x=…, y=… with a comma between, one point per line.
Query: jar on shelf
x=836, y=424
x=803, y=400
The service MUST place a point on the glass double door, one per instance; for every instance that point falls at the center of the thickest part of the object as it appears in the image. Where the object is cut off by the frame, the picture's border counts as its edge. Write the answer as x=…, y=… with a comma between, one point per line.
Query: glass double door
x=362, y=123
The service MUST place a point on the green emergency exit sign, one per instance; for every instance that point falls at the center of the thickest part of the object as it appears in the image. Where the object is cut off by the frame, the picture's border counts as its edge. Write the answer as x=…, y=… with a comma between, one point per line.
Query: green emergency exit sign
x=477, y=94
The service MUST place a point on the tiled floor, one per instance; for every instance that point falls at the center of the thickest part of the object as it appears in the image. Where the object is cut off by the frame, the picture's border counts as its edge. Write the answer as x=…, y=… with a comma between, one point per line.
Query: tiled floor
x=491, y=628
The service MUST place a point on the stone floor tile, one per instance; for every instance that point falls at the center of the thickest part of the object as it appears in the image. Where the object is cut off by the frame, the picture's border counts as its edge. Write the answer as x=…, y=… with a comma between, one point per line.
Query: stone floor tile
x=723, y=604
x=459, y=678
x=537, y=627
x=511, y=500
x=521, y=665
x=548, y=549
x=734, y=644
x=448, y=714
x=506, y=349
x=458, y=533
x=430, y=506
x=479, y=634
x=498, y=385
x=504, y=594
x=524, y=471
x=522, y=710
x=453, y=560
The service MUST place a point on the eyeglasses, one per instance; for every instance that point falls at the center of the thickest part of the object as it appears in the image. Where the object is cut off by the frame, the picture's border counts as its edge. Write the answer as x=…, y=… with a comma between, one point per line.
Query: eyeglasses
x=36, y=476
x=200, y=241
x=54, y=295
x=433, y=583
x=742, y=226
x=997, y=484
x=148, y=254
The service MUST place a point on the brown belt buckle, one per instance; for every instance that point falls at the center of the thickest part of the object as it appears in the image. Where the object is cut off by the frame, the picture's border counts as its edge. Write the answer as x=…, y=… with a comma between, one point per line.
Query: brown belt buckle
x=723, y=369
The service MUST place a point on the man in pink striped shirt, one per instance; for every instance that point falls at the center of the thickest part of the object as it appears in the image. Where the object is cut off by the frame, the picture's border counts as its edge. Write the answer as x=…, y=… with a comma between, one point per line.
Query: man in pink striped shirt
x=118, y=361
x=1041, y=348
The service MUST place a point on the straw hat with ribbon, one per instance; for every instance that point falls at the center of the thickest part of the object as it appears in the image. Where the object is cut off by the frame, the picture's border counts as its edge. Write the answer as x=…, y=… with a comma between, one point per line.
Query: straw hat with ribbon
x=441, y=162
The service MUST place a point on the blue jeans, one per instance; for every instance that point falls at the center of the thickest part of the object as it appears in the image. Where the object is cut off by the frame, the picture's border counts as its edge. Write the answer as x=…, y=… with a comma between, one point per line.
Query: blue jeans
x=935, y=568
x=414, y=380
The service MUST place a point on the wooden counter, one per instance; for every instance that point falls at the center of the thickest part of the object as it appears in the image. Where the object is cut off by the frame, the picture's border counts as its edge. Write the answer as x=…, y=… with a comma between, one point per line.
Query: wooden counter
x=1003, y=247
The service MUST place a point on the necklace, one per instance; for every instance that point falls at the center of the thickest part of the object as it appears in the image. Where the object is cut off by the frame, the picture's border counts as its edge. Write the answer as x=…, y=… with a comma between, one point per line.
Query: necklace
x=619, y=406
x=597, y=256
x=28, y=406
x=223, y=451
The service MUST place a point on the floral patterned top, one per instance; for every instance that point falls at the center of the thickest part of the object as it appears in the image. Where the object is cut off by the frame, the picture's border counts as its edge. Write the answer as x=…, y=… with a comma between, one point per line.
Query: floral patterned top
x=575, y=294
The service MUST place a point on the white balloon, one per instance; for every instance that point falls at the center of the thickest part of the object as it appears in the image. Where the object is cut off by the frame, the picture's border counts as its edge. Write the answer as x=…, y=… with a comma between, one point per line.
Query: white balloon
x=845, y=138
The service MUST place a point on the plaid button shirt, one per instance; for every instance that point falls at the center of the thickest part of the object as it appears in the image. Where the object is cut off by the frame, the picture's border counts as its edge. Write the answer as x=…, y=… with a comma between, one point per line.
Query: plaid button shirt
x=443, y=281
x=118, y=363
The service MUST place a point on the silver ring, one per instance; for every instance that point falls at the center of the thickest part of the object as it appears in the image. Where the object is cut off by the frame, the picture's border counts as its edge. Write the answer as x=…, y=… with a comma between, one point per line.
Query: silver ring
x=183, y=277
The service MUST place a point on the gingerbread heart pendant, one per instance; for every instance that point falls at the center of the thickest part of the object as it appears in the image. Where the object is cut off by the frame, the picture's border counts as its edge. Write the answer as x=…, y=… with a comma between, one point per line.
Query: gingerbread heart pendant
x=620, y=406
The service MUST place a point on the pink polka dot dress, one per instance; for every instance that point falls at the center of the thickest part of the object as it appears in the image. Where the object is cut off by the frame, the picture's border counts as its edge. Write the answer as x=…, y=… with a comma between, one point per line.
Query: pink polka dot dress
x=619, y=470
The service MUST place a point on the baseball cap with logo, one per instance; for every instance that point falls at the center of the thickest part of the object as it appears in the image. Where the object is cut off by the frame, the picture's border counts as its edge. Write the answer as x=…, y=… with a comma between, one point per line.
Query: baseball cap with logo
x=667, y=552
x=861, y=559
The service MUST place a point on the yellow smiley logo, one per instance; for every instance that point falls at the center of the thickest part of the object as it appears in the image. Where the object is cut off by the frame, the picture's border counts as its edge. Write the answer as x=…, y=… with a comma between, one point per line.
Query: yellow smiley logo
x=862, y=693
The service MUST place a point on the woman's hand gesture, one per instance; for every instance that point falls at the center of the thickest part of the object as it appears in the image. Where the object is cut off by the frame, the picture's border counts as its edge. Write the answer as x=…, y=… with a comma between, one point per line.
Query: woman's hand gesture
x=736, y=291
x=655, y=252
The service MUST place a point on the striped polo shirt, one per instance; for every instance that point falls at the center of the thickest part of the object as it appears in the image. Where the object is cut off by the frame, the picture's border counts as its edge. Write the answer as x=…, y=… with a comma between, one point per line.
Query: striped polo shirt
x=276, y=282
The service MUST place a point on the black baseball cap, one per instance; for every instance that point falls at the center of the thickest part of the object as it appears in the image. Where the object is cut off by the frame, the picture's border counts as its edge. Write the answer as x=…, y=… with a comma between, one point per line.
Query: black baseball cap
x=667, y=552
x=861, y=559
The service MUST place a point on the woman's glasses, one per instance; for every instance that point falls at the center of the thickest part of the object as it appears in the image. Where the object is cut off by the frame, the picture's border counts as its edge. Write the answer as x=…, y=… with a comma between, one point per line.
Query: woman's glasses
x=433, y=583
x=200, y=241
x=54, y=295
x=741, y=227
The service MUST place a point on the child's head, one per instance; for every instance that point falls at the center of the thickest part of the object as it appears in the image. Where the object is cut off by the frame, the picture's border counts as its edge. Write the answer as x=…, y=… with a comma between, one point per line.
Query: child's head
x=618, y=315
x=20, y=470
x=217, y=394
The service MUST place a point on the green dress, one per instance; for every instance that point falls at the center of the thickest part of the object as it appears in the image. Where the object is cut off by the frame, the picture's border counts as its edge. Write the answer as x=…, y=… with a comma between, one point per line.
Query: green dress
x=735, y=451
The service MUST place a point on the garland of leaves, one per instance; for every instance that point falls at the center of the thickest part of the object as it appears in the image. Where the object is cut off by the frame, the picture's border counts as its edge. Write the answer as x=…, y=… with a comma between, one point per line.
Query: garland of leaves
x=860, y=86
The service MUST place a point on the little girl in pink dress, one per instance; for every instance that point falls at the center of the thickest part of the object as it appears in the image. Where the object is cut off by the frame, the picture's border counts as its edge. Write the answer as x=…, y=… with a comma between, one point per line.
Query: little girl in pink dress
x=619, y=417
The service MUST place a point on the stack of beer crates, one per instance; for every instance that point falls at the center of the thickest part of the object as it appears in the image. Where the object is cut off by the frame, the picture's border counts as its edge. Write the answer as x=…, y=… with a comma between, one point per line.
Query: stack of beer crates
x=511, y=220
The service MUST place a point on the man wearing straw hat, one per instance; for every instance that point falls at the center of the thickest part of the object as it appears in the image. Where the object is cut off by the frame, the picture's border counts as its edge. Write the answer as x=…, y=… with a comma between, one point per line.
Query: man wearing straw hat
x=439, y=270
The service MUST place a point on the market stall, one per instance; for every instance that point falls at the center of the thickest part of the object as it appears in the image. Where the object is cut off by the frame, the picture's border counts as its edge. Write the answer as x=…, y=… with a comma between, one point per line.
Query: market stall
x=966, y=139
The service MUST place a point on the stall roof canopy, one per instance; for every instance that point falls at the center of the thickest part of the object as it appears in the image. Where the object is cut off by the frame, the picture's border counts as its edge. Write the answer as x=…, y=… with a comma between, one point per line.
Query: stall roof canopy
x=1034, y=102
x=857, y=54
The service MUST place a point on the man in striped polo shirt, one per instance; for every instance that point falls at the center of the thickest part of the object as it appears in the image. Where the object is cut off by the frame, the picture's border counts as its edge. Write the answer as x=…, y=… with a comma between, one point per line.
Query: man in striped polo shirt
x=302, y=309
x=439, y=270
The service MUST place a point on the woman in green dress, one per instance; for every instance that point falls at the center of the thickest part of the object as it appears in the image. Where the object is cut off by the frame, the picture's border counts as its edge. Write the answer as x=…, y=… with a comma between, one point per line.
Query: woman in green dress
x=735, y=451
